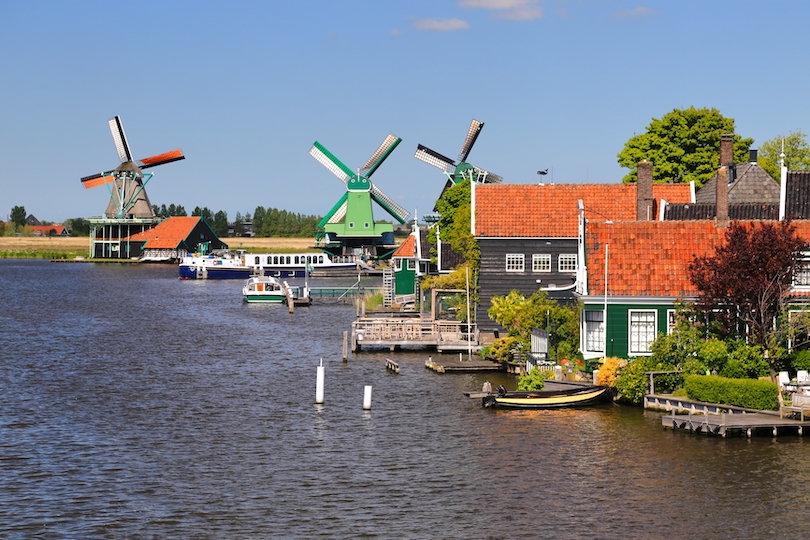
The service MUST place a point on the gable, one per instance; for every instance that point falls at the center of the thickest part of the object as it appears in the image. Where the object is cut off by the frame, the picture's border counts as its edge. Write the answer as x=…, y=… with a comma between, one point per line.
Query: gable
x=168, y=234
x=751, y=184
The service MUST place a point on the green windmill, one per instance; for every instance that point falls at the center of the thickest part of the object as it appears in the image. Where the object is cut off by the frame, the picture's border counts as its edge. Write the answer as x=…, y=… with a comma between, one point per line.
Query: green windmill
x=460, y=170
x=349, y=227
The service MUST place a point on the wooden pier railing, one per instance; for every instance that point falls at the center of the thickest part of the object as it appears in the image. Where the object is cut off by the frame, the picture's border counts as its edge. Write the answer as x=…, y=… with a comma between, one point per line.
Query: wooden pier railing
x=394, y=333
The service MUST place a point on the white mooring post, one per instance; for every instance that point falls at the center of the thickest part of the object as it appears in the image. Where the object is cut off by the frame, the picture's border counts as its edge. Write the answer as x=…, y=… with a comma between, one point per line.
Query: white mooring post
x=319, y=384
x=367, y=398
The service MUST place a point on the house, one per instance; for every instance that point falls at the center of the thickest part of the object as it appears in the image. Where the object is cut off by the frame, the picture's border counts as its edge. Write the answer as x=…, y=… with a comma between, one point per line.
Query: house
x=48, y=230
x=636, y=272
x=414, y=259
x=529, y=234
x=752, y=192
x=174, y=238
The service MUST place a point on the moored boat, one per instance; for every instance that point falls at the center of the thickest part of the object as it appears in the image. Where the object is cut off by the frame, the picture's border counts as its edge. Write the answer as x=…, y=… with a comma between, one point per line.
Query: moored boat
x=268, y=289
x=236, y=264
x=578, y=396
x=223, y=264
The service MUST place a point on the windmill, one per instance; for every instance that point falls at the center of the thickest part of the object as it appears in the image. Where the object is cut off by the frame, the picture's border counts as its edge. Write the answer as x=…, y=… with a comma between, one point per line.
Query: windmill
x=459, y=170
x=126, y=182
x=349, y=226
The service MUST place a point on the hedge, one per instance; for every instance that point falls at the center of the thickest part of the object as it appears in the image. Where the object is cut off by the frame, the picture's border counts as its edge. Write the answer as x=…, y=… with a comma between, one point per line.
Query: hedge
x=748, y=393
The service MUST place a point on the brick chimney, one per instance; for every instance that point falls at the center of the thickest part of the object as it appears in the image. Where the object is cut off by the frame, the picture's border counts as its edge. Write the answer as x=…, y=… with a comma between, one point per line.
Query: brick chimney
x=644, y=191
x=726, y=150
x=721, y=213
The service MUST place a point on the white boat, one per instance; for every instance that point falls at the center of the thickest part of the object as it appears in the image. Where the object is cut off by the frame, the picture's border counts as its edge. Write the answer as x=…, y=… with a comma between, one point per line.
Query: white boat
x=269, y=289
x=236, y=264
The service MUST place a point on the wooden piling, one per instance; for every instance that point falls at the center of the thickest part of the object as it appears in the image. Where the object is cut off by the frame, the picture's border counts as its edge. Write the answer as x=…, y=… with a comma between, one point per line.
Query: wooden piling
x=345, y=345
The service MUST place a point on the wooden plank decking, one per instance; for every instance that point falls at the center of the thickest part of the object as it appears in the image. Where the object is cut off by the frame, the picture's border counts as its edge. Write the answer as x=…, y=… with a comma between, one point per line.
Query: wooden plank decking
x=724, y=424
x=454, y=365
x=393, y=333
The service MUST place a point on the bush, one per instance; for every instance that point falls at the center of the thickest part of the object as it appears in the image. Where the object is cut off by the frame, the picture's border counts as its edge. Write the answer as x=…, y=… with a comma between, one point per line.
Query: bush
x=749, y=393
x=533, y=380
x=608, y=370
x=632, y=382
x=801, y=360
x=714, y=354
x=751, y=360
x=501, y=349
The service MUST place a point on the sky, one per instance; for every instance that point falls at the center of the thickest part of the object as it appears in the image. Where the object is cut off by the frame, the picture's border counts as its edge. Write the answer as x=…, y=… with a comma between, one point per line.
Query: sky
x=245, y=88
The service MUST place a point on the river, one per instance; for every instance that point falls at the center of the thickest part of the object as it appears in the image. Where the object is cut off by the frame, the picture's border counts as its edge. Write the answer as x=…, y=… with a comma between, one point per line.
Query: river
x=137, y=405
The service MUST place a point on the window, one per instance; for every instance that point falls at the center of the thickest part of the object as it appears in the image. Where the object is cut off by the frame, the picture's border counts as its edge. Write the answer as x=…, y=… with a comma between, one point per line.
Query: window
x=595, y=331
x=642, y=332
x=541, y=263
x=671, y=321
x=567, y=263
x=411, y=264
x=514, y=262
x=801, y=277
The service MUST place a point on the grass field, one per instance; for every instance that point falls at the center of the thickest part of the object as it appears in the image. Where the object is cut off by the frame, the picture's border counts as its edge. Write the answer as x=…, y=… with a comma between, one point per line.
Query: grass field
x=54, y=247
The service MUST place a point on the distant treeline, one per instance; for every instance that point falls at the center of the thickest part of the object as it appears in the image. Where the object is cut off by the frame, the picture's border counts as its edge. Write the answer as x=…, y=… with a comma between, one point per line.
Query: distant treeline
x=270, y=222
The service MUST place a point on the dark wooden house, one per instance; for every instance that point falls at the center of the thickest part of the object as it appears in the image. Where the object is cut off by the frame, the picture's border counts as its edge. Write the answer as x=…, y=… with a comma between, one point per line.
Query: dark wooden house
x=174, y=238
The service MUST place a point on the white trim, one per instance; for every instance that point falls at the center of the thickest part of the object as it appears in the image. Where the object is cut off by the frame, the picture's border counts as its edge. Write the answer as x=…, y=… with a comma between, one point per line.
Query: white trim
x=515, y=256
x=630, y=313
x=547, y=257
x=472, y=210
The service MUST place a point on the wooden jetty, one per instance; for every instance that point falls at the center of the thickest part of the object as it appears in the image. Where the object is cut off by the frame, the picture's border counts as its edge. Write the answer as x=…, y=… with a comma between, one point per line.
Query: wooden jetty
x=722, y=420
x=396, y=332
x=451, y=364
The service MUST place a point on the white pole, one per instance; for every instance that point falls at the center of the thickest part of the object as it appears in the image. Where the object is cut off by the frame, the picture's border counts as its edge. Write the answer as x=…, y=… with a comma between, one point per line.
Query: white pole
x=319, y=384
x=367, y=398
x=604, y=311
x=469, y=343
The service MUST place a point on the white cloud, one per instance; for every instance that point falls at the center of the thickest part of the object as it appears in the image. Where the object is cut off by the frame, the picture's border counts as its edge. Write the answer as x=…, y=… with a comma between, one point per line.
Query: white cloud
x=443, y=25
x=396, y=32
x=640, y=11
x=512, y=10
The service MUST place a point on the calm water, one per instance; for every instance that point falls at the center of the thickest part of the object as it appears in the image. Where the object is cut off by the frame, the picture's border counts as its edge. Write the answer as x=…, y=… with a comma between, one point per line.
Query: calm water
x=133, y=404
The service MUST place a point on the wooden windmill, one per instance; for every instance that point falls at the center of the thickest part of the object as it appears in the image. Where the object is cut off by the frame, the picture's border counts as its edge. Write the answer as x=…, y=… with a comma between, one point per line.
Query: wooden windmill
x=461, y=169
x=349, y=226
x=127, y=182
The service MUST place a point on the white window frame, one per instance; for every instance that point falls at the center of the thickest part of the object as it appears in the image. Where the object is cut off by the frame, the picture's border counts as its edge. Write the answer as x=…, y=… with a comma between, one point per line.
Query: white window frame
x=567, y=257
x=595, y=331
x=801, y=278
x=635, y=334
x=411, y=264
x=541, y=262
x=672, y=322
x=515, y=262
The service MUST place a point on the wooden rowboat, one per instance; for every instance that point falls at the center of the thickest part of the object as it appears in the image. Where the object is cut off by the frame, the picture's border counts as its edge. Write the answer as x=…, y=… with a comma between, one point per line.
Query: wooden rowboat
x=580, y=396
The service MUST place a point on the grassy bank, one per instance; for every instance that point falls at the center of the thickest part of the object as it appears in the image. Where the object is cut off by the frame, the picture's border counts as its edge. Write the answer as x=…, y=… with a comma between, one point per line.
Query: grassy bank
x=43, y=247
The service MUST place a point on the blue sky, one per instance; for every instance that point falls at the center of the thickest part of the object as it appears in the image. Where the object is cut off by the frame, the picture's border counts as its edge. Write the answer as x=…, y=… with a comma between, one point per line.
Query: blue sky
x=245, y=88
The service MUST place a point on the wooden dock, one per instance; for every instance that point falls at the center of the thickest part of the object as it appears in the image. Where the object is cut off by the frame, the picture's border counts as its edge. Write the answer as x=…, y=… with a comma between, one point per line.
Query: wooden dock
x=452, y=364
x=722, y=420
x=394, y=333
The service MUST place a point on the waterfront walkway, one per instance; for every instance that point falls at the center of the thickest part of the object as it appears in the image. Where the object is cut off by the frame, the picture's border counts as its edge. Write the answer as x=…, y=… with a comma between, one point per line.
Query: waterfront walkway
x=722, y=420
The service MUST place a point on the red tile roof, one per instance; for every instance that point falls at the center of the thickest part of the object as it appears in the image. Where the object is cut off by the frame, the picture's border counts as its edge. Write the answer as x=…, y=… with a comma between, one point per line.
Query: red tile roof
x=406, y=248
x=168, y=234
x=45, y=230
x=550, y=211
x=651, y=258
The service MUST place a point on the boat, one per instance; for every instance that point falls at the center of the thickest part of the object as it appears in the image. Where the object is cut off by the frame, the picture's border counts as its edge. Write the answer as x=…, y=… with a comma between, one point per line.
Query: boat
x=268, y=289
x=219, y=264
x=236, y=264
x=577, y=396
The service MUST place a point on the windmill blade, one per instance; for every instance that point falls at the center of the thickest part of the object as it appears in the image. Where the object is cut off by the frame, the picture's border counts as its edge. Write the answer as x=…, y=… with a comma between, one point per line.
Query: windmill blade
x=439, y=161
x=328, y=160
x=398, y=212
x=161, y=159
x=337, y=213
x=487, y=177
x=376, y=159
x=120, y=139
x=472, y=135
x=98, y=179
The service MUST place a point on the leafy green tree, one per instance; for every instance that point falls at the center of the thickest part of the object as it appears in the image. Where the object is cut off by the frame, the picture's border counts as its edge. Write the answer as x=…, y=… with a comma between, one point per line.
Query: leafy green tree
x=78, y=226
x=205, y=213
x=633, y=382
x=520, y=315
x=797, y=153
x=220, y=223
x=18, y=216
x=454, y=224
x=534, y=380
x=683, y=146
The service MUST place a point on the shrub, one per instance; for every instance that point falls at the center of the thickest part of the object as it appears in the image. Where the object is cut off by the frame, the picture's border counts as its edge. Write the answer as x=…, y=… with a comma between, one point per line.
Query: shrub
x=608, y=370
x=533, y=380
x=501, y=349
x=714, y=354
x=749, y=393
x=632, y=382
x=801, y=360
x=751, y=359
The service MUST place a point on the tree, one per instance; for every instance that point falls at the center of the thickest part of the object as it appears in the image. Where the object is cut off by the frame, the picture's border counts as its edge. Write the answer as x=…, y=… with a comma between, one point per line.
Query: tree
x=797, y=153
x=520, y=315
x=78, y=226
x=220, y=223
x=745, y=285
x=683, y=146
x=18, y=216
